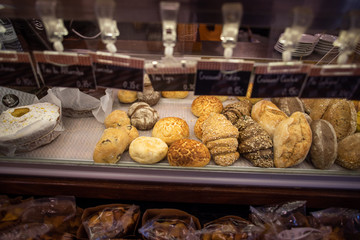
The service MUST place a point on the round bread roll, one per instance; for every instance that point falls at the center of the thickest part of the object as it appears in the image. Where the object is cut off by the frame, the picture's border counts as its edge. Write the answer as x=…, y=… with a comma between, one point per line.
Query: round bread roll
x=292, y=141
x=268, y=115
x=131, y=131
x=149, y=96
x=117, y=118
x=289, y=105
x=222, y=98
x=126, y=96
x=148, y=150
x=324, y=145
x=170, y=129
x=142, y=116
x=206, y=104
x=188, y=153
x=349, y=152
x=174, y=94
x=252, y=100
x=198, y=125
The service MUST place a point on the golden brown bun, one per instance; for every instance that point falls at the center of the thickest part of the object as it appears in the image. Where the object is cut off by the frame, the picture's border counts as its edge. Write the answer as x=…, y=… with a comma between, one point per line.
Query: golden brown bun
x=222, y=98
x=188, y=153
x=111, y=145
x=198, y=125
x=342, y=115
x=268, y=115
x=349, y=152
x=170, y=129
x=126, y=96
x=132, y=132
x=292, y=141
x=174, y=94
x=117, y=118
x=148, y=150
x=206, y=104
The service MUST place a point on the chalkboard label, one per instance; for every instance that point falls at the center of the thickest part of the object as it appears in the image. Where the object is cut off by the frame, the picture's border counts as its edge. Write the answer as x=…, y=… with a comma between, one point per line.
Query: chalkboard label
x=118, y=71
x=279, y=80
x=65, y=70
x=223, y=78
x=334, y=82
x=16, y=69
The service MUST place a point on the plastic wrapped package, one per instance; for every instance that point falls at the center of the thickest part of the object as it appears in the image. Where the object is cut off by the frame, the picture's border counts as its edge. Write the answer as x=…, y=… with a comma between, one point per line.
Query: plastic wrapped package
x=109, y=222
x=230, y=228
x=168, y=224
x=26, y=231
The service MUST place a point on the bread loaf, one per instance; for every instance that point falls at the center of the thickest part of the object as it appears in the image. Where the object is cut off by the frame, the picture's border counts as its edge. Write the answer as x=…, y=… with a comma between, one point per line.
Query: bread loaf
x=206, y=104
x=170, y=129
x=292, y=141
x=148, y=150
x=349, y=152
x=316, y=107
x=289, y=105
x=116, y=119
x=268, y=115
x=323, y=149
x=142, y=116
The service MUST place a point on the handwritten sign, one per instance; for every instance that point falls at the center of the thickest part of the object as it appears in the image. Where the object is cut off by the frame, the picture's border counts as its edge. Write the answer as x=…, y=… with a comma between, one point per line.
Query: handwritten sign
x=65, y=70
x=279, y=80
x=118, y=71
x=223, y=78
x=16, y=69
x=333, y=82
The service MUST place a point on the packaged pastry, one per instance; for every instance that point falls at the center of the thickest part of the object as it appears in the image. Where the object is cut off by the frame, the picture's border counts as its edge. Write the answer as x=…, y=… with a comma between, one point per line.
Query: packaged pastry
x=349, y=152
x=110, y=221
x=127, y=96
x=174, y=94
x=188, y=153
x=116, y=119
x=142, y=116
x=206, y=104
x=167, y=224
x=148, y=150
x=170, y=129
x=26, y=128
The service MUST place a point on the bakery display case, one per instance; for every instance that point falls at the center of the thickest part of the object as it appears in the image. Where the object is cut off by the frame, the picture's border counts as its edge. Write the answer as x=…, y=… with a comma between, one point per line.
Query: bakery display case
x=56, y=34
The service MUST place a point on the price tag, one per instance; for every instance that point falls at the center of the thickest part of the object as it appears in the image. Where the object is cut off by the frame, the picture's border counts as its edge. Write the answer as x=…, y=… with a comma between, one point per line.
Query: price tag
x=16, y=69
x=279, y=79
x=118, y=71
x=337, y=81
x=175, y=76
x=65, y=69
x=223, y=77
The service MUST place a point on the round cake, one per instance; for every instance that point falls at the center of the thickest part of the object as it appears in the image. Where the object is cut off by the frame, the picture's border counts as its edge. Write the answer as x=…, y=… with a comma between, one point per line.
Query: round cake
x=188, y=153
x=29, y=127
x=206, y=104
x=148, y=150
x=170, y=129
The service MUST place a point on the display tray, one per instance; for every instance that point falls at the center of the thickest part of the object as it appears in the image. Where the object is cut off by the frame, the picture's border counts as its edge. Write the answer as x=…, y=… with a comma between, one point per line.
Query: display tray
x=70, y=155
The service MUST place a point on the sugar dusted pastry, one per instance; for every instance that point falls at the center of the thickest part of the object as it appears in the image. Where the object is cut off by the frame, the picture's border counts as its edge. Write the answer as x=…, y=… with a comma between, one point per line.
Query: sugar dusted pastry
x=117, y=118
x=170, y=129
x=206, y=104
x=142, y=116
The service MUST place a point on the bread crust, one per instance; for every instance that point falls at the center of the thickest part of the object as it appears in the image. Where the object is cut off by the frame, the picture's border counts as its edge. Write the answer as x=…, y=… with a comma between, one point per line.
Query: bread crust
x=188, y=153
x=170, y=129
x=203, y=105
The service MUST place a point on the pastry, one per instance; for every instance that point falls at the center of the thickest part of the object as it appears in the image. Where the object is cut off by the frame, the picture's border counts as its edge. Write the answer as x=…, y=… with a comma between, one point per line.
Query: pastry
x=324, y=145
x=349, y=152
x=255, y=143
x=220, y=137
x=198, y=125
x=148, y=150
x=28, y=127
x=116, y=118
x=292, y=141
x=188, y=153
x=289, y=105
x=127, y=96
x=174, y=94
x=142, y=116
x=148, y=95
x=268, y=115
x=112, y=144
x=342, y=115
x=170, y=129
x=237, y=110
x=222, y=98
x=206, y=104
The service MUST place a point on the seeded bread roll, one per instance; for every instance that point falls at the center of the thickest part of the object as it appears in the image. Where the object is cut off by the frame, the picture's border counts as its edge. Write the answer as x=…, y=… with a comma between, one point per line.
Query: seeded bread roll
x=289, y=105
x=206, y=104
x=188, y=153
x=292, y=141
x=142, y=116
x=268, y=115
x=342, y=115
x=170, y=129
x=234, y=111
x=126, y=96
x=349, y=152
x=148, y=150
x=117, y=118
x=324, y=145
x=174, y=94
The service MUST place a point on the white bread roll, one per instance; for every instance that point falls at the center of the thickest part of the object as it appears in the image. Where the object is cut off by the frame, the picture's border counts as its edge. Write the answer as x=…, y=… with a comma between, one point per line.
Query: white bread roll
x=148, y=150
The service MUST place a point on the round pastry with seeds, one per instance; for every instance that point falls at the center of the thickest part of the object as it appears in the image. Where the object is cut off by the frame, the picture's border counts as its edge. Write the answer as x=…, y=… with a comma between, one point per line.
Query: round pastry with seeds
x=206, y=104
x=170, y=129
x=188, y=153
x=116, y=119
x=142, y=116
x=148, y=150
